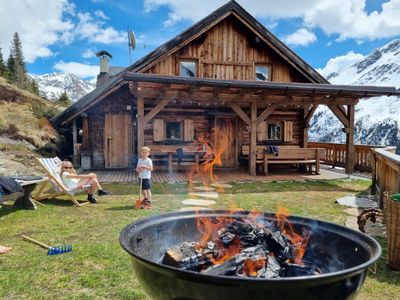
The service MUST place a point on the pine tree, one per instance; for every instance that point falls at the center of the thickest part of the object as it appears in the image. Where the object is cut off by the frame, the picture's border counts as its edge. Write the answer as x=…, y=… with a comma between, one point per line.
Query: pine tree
x=34, y=87
x=11, y=68
x=64, y=99
x=3, y=67
x=20, y=77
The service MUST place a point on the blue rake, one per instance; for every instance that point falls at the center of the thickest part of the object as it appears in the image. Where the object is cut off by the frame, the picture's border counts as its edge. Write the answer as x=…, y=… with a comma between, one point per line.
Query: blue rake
x=50, y=250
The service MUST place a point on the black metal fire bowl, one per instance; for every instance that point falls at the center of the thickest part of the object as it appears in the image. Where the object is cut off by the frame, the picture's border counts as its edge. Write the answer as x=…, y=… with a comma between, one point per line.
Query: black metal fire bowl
x=343, y=254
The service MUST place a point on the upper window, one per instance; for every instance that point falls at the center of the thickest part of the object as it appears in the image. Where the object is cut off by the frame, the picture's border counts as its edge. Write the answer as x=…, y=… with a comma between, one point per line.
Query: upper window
x=173, y=130
x=187, y=68
x=263, y=73
x=274, y=131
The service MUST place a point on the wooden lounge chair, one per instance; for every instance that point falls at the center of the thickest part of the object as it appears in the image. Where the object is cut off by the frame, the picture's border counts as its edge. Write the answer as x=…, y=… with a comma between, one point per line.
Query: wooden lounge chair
x=52, y=168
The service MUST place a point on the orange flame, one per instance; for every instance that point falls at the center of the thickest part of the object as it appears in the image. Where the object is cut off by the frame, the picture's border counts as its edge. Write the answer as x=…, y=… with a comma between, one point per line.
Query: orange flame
x=251, y=267
x=298, y=241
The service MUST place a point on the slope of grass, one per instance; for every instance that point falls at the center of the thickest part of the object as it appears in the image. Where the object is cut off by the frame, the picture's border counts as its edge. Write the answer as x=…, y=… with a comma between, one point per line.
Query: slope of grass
x=98, y=268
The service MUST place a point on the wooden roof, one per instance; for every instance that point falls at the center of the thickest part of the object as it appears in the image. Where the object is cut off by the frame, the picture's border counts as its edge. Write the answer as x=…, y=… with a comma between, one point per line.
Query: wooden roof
x=217, y=90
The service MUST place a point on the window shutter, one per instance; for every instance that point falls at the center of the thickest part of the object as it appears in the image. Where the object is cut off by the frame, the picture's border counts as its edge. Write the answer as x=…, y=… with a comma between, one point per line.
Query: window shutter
x=188, y=128
x=262, y=132
x=158, y=130
x=288, y=131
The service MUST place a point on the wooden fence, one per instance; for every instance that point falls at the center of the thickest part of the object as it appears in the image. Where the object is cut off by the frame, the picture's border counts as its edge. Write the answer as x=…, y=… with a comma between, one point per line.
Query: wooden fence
x=335, y=155
x=385, y=172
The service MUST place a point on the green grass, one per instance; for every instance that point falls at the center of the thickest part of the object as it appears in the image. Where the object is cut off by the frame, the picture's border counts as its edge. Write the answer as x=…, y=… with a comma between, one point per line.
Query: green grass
x=98, y=268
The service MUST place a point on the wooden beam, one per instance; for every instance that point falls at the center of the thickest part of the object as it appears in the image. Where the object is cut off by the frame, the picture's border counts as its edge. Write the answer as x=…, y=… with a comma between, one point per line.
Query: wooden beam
x=140, y=122
x=160, y=105
x=350, y=141
x=309, y=114
x=253, y=140
x=236, y=108
x=339, y=114
x=133, y=88
x=74, y=141
x=305, y=125
x=265, y=114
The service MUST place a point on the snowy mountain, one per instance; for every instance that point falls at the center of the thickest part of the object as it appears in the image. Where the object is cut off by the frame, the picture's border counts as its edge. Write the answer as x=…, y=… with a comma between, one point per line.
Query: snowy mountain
x=377, y=120
x=52, y=85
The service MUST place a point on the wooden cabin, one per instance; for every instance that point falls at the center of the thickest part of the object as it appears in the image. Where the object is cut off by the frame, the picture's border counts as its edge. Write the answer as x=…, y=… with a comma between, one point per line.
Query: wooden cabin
x=227, y=80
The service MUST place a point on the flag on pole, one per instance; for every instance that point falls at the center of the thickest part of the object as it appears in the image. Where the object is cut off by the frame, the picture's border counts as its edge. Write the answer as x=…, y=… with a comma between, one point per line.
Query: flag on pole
x=132, y=40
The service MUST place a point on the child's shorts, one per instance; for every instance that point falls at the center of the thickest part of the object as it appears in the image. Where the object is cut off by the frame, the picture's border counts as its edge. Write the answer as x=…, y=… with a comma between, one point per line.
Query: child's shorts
x=146, y=184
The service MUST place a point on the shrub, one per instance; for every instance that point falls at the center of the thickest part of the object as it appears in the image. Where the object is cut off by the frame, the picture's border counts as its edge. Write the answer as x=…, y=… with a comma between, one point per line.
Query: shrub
x=41, y=110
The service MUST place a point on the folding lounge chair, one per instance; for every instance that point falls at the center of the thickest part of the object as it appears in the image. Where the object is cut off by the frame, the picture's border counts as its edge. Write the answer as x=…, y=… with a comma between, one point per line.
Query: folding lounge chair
x=52, y=168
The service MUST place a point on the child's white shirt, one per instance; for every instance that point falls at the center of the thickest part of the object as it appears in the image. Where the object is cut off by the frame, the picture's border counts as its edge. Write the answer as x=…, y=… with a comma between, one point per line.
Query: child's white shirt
x=145, y=174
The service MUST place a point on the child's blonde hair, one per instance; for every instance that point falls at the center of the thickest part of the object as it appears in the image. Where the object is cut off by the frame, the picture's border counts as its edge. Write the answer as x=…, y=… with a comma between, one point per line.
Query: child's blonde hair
x=145, y=148
x=67, y=164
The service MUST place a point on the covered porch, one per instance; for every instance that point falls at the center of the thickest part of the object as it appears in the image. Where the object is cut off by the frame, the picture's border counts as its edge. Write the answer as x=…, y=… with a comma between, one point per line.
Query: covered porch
x=241, y=112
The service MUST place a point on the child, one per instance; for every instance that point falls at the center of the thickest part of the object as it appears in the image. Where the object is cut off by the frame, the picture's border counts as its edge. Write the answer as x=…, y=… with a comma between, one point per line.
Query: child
x=74, y=181
x=144, y=168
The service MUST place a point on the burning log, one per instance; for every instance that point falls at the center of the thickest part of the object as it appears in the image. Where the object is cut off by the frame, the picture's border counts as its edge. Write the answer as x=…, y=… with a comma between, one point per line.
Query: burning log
x=243, y=248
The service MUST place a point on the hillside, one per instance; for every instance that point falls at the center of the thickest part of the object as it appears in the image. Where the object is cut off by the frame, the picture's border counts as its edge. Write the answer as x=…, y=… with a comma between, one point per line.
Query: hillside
x=377, y=120
x=25, y=132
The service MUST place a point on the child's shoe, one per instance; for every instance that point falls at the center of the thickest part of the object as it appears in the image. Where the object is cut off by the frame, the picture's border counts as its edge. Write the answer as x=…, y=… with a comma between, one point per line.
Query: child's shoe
x=103, y=193
x=146, y=204
x=91, y=198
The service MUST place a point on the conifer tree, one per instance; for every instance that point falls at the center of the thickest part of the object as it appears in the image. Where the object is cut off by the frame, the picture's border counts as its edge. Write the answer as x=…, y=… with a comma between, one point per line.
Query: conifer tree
x=11, y=68
x=64, y=99
x=20, y=77
x=3, y=67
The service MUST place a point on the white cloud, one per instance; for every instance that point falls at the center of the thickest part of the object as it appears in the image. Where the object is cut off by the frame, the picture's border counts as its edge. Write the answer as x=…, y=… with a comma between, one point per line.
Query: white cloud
x=80, y=70
x=95, y=32
x=337, y=64
x=301, y=37
x=88, y=53
x=100, y=14
x=347, y=18
x=39, y=23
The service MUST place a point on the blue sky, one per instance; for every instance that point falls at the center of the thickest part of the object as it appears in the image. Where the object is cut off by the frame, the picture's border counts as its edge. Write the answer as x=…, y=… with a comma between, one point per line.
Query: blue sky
x=63, y=35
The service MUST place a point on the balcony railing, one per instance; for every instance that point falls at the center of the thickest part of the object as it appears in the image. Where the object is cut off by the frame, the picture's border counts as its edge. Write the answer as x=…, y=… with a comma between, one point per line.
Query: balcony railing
x=336, y=154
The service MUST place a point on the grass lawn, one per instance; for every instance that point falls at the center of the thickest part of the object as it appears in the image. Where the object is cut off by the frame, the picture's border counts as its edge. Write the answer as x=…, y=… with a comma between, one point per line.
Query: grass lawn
x=98, y=268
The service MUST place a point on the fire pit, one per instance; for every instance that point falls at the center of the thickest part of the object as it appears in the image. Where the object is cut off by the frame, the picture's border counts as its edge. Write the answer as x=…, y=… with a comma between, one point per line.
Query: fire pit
x=342, y=254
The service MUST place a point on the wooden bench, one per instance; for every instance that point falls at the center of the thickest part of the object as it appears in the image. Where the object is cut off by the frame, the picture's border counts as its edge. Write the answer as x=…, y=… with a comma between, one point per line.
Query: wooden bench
x=167, y=154
x=307, y=156
x=245, y=151
x=287, y=154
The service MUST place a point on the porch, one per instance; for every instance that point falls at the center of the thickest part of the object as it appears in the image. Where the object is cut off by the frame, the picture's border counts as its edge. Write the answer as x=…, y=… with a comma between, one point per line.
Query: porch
x=223, y=176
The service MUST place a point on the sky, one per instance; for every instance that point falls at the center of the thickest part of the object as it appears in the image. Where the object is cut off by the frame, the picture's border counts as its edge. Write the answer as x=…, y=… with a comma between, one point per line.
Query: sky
x=64, y=35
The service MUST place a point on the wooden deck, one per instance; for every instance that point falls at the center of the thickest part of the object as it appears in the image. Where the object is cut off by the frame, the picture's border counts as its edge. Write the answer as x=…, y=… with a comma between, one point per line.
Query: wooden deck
x=129, y=176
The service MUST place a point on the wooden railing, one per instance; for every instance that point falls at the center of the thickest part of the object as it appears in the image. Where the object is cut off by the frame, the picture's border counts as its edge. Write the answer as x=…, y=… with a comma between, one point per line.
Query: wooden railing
x=336, y=154
x=386, y=172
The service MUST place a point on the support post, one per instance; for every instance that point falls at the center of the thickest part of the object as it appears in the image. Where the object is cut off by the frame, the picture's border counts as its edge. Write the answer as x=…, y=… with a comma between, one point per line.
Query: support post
x=140, y=122
x=350, y=140
x=304, y=141
x=74, y=142
x=253, y=140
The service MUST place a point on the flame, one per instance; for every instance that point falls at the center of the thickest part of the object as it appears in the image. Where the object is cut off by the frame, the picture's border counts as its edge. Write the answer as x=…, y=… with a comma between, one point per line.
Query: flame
x=297, y=240
x=251, y=267
x=226, y=253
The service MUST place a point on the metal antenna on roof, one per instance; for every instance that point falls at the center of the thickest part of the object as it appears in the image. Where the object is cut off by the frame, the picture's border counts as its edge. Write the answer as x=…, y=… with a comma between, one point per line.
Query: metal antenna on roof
x=131, y=43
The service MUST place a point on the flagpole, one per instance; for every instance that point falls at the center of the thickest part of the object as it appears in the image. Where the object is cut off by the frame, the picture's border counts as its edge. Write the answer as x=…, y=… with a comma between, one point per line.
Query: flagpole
x=129, y=47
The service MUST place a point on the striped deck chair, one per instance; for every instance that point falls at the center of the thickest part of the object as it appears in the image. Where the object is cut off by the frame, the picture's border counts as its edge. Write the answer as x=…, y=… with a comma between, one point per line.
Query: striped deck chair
x=52, y=168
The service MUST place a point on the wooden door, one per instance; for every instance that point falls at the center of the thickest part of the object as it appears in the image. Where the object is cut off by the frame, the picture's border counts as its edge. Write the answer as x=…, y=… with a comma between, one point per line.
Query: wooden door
x=118, y=140
x=225, y=140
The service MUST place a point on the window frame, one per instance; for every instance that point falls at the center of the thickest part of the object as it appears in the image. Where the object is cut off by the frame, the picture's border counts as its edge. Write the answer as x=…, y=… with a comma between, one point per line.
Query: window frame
x=181, y=130
x=263, y=65
x=193, y=60
x=280, y=131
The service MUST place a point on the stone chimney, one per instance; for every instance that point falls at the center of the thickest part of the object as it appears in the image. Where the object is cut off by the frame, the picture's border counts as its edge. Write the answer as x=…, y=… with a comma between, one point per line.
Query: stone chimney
x=103, y=75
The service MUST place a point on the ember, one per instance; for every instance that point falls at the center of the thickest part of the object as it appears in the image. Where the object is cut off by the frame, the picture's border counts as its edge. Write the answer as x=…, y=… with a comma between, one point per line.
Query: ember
x=244, y=247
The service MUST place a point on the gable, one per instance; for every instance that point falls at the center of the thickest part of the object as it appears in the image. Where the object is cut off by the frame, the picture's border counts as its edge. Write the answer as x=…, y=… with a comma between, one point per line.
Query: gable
x=164, y=54
x=229, y=50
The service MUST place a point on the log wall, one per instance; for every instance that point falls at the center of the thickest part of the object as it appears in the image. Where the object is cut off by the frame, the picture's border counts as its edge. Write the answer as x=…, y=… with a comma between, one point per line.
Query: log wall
x=229, y=50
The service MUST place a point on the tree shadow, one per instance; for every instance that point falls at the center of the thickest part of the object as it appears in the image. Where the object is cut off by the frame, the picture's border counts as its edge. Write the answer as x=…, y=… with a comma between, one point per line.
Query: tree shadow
x=118, y=208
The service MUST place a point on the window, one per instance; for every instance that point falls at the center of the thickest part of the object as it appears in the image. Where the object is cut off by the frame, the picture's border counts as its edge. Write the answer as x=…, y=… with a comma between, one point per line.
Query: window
x=274, y=131
x=173, y=130
x=263, y=73
x=187, y=68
